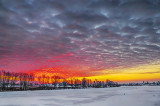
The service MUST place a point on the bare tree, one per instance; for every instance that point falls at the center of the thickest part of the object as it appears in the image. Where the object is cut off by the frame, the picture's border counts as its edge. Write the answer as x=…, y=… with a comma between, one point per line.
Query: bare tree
x=84, y=83
x=56, y=80
x=0, y=80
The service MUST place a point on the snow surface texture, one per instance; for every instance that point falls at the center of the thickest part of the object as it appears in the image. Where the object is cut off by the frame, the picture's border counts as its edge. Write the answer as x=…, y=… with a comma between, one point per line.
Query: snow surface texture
x=120, y=96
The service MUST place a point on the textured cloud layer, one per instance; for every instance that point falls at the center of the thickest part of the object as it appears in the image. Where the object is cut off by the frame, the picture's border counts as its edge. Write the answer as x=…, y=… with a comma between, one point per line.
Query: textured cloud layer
x=79, y=35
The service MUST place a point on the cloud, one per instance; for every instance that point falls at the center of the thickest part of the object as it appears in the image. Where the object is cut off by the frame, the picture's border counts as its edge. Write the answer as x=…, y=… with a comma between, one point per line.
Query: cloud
x=157, y=72
x=97, y=34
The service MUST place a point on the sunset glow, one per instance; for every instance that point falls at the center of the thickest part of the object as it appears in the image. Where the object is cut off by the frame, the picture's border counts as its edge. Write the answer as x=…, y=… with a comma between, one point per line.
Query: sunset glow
x=117, y=40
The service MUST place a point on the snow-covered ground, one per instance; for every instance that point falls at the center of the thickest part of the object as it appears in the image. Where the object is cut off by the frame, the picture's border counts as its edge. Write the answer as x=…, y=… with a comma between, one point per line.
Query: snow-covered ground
x=120, y=96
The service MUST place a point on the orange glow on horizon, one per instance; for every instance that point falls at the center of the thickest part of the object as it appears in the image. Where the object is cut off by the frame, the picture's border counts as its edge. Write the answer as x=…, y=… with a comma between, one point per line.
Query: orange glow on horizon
x=145, y=72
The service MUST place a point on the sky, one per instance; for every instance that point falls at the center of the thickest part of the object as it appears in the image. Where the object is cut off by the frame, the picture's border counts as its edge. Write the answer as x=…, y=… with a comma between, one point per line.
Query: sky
x=105, y=39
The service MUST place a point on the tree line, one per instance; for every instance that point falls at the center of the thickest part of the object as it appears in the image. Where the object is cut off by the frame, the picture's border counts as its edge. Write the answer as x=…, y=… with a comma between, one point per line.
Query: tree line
x=28, y=81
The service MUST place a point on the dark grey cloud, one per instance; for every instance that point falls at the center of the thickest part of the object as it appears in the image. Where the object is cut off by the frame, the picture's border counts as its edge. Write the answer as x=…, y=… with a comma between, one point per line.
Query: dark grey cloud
x=103, y=33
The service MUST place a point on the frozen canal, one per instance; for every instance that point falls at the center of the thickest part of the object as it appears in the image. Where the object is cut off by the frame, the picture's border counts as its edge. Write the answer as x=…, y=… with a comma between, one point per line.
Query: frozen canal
x=121, y=96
